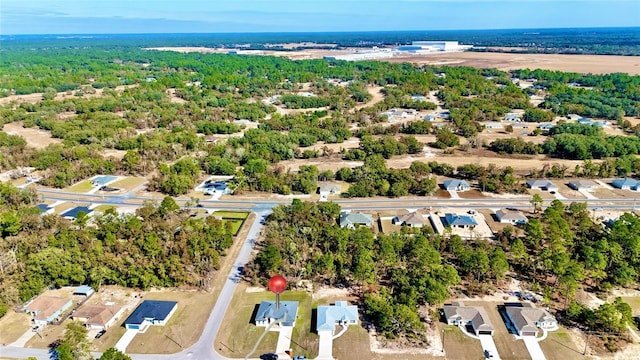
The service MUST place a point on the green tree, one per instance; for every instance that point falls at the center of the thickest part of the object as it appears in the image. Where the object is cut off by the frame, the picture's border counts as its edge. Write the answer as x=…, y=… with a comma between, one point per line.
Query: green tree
x=536, y=201
x=75, y=336
x=114, y=354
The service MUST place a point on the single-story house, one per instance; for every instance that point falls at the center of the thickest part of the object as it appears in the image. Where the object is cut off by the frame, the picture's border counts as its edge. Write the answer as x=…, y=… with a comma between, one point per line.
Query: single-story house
x=520, y=125
x=583, y=184
x=574, y=117
x=460, y=315
x=511, y=217
x=73, y=213
x=545, y=185
x=329, y=189
x=546, y=127
x=626, y=184
x=585, y=121
x=493, y=125
x=150, y=312
x=350, y=220
x=460, y=221
x=45, y=309
x=418, y=98
x=512, y=117
x=429, y=117
x=285, y=316
x=456, y=185
x=98, y=316
x=413, y=219
x=84, y=290
x=340, y=314
x=526, y=320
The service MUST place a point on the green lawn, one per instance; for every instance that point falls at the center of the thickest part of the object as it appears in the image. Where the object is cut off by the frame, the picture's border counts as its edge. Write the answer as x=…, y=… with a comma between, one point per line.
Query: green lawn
x=81, y=187
x=103, y=208
x=235, y=225
x=128, y=184
x=231, y=214
x=559, y=346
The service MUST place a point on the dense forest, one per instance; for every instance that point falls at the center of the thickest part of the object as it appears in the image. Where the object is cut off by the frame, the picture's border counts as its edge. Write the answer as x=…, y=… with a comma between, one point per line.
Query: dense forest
x=159, y=245
x=558, y=252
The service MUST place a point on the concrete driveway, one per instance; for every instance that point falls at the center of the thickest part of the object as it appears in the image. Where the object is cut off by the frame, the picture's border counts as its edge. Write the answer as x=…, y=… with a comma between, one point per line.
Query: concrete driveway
x=532, y=344
x=487, y=344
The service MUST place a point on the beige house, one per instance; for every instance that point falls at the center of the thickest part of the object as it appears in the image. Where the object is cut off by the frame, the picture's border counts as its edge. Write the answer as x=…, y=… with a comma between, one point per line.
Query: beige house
x=98, y=316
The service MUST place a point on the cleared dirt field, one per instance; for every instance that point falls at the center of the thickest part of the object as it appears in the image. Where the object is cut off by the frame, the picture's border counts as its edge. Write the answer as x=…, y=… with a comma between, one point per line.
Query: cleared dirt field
x=595, y=64
x=13, y=325
x=35, y=137
x=37, y=97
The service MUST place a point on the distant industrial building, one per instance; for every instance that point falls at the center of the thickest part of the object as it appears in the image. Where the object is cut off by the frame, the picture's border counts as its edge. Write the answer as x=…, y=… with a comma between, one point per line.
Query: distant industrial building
x=433, y=46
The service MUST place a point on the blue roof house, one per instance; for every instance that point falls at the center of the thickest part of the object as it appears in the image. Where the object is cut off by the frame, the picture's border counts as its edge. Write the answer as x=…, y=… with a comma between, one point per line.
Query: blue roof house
x=626, y=184
x=285, y=316
x=73, y=213
x=340, y=314
x=150, y=312
x=460, y=221
x=456, y=185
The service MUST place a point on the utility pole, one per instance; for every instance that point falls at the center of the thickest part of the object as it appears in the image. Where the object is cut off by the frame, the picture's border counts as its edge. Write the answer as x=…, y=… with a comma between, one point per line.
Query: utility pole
x=586, y=343
x=443, y=340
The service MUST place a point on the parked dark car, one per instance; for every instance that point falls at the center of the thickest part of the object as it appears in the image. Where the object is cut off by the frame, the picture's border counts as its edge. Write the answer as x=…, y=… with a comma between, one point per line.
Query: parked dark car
x=100, y=333
x=270, y=356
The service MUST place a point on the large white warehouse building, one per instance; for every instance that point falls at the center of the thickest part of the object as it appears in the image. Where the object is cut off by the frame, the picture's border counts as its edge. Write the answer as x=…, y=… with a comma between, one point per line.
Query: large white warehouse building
x=431, y=46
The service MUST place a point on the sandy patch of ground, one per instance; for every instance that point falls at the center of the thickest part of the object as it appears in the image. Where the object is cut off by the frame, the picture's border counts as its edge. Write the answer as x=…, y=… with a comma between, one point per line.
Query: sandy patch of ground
x=113, y=153
x=596, y=64
x=376, y=97
x=37, y=97
x=327, y=292
x=35, y=137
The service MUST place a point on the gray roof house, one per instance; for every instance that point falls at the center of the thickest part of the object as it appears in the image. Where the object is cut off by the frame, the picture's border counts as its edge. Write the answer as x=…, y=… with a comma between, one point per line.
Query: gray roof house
x=493, y=125
x=460, y=221
x=340, y=314
x=626, y=184
x=350, y=220
x=328, y=189
x=285, y=316
x=456, y=185
x=545, y=185
x=583, y=184
x=511, y=217
x=526, y=320
x=413, y=219
x=460, y=315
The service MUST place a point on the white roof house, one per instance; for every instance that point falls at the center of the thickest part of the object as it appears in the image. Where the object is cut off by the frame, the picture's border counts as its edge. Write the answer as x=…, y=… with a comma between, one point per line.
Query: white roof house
x=350, y=220
x=511, y=217
x=493, y=125
x=456, y=185
x=328, y=189
x=545, y=185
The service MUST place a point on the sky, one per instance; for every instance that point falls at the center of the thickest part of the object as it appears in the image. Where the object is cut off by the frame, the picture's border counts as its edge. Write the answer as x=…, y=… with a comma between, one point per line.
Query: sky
x=206, y=16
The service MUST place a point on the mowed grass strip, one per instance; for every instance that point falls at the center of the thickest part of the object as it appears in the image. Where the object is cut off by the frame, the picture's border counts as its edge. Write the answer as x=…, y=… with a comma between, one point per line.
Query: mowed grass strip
x=231, y=214
x=238, y=335
x=81, y=187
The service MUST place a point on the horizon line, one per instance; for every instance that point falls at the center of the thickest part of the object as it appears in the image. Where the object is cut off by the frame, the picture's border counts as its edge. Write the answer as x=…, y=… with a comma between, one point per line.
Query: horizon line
x=318, y=32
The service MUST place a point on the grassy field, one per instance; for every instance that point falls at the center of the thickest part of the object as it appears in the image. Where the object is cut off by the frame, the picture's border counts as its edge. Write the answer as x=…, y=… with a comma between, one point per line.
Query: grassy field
x=634, y=302
x=235, y=225
x=81, y=187
x=459, y=346
x=238, y=335
x=50, y=334
x=559, y=346
x=231, y=214
x=128, y=184
x=13, y=325
x=103, y=208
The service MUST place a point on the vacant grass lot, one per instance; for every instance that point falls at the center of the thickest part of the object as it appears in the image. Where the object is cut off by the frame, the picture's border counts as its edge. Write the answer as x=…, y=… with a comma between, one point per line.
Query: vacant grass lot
x=560, y=346
x=128, y=184
x=13, y=325
x=81, y=187
x=458, y=346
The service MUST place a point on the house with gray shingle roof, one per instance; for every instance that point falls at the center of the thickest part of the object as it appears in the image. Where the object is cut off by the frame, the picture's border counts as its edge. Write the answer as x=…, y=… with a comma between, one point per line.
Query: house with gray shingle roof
x=328, y=189
x=583, y=184
x=545, y=185
x=413, y=219
x=526, y=319
x=351, y=220
x=458, y=314
x=511, y=217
